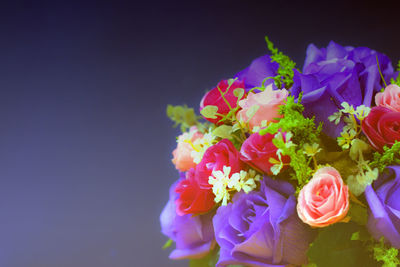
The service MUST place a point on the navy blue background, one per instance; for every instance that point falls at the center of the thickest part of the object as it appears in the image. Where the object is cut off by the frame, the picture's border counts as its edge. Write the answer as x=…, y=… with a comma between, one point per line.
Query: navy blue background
x=85, y=145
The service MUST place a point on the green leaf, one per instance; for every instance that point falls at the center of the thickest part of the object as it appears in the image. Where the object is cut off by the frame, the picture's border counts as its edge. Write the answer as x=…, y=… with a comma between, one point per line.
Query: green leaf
x=238, y=92
x=334, y=247
x=168, y=244
x=209, y=112
x=223, y=131
x=355, y=236
x=183, y=116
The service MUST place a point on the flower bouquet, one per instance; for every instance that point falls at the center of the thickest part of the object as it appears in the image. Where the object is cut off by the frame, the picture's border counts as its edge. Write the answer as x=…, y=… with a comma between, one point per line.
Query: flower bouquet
x=291, y=168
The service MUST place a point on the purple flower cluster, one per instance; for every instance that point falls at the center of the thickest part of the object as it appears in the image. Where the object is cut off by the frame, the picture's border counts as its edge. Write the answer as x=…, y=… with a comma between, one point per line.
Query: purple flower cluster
x=338, y=74
x=262, y=228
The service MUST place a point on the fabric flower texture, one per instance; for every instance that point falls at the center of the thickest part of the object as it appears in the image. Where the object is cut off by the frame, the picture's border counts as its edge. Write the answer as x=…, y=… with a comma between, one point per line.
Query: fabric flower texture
x=384, y=203
x=290, y=166
x=193, y=235
x=324, y=200
x=182, y=155
x=223, y=98
x=266, y=105
x=259, y=152
x=337, y=74
x=390, y=98
x=262, y=228
x=382, y=127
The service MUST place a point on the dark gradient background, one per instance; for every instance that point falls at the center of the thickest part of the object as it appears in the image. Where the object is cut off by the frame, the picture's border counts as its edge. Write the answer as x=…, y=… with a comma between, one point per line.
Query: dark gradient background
x=84, y=141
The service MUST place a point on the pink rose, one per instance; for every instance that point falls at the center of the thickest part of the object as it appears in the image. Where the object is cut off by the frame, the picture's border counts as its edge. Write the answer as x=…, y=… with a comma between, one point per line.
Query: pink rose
x=258, y=149
x=214, y=98
x=182, y=154
x=268, y=102
x=324, y=200
x=390, y=98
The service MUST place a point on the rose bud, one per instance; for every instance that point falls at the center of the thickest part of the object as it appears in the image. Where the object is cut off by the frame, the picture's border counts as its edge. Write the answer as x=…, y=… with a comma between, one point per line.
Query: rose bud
x=214, y=98
x=382, y=127
x=324, y=200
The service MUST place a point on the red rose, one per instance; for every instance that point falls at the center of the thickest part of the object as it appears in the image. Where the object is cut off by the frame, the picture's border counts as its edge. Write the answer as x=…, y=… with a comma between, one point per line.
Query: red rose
x=382, y=127
x=192, y=198
x=214, y=98
x=216, y=157
x=258, y=149
x=196, y=194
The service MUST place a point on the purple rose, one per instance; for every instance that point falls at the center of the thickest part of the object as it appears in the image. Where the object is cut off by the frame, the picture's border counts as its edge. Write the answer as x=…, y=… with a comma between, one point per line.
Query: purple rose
x=261, y=228
x=258, y=70
x=384, y=204
x=193, y=235
x=336, y=74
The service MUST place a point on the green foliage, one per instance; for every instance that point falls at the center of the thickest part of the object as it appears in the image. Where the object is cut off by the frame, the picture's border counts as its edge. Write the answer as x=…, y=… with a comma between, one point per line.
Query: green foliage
x=338, y=245
x=286, y=66
x=303, y=129
x=168, y=244
x=389, y=156
x=183, y=116
x=397, y=81
x=304, y=132
x=385, y=254
x=223, y=131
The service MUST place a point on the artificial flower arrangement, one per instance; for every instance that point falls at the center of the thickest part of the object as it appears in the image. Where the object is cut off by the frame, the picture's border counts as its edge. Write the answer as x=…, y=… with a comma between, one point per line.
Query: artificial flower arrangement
x=291, y=168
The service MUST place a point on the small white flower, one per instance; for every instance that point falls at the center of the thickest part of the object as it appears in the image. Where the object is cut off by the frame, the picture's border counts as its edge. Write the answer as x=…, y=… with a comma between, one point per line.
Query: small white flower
x=311, y=150
x=362, y=112
x=200, y=146
x=219, y=180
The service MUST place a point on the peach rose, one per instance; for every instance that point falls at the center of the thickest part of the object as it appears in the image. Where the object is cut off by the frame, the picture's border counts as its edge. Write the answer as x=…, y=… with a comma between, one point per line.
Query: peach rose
x=268, y=102
x=182, y=157
x=324, y=200
x=390, y=98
